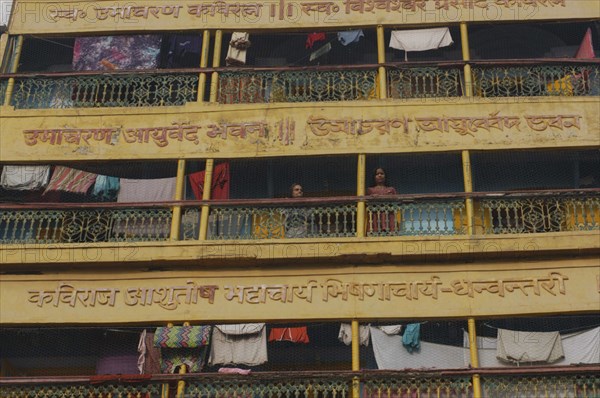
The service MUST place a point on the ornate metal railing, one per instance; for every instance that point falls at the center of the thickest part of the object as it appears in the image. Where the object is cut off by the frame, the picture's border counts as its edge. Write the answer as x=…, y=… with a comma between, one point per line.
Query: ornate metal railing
x=547, y=386
x=538, y=214
x=418, y=385
x=84, y=225
x=260, y=86
x=109, y=390
x=272, y=386
x=446, y=217
x=282, y=222
x=104, y=90
x=536, y=80
x=424, y=82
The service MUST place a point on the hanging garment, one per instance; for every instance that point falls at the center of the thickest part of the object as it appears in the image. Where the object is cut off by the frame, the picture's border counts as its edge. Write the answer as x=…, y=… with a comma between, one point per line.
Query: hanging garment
x=586, y=48
x=518, y=347
x=345, y=335
x=391, y=355
x=244, y=344
x=24, y=178
x=150, y=190
x=106, y=188
x=182, y=345
x=117, y=364
x=313, y=38
x=350, y=36
x=116, y=52
x=70, y=180
x=420, y=39
x=234, y=371
x=411, y=337
x=149, y=358
x=238, y=49
x=220, y=182
x=391, y=329
x=182, y=336
x=295, y=335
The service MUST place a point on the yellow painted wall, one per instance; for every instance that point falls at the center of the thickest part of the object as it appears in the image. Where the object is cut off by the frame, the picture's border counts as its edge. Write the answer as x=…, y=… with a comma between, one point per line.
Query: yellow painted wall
x=303, y=293
x=50, y=16
x=229, y=131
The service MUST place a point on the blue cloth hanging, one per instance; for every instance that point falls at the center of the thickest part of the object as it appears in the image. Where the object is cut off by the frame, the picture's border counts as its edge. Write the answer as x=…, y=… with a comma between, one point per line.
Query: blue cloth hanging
x=106, y=188
x=411, y=337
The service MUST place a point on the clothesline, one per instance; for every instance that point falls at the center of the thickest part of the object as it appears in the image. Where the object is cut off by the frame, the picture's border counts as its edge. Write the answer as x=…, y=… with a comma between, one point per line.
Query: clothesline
x=559, y=331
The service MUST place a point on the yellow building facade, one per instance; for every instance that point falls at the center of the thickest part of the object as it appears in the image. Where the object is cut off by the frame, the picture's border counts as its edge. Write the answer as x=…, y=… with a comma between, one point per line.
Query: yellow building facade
x=147, y=152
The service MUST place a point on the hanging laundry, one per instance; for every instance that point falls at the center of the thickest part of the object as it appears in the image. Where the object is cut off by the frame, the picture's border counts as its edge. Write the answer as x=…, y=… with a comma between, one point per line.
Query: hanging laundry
x=391, y=355
x=150, y=190
x=411, y=337
x=313, y=38
x=345, y=335
x=106, y=188
x=243, y=344
x=295, y=335
x=24, y=178
x=182, y=345
x=117, y=364
x=525, y=347
x=238, y=49
x=149, y=356
x=391, y=329
x=70, y=180
x=350, y=36
x=220, y=182
x=420, y=39
x=586, y=48
x=116, y=52
x=234, y=371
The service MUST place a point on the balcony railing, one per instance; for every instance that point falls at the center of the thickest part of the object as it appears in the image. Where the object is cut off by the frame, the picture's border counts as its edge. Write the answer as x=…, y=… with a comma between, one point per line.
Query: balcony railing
x=401, y=215
x=526, y=382
x=316, y=85
x=491, y=79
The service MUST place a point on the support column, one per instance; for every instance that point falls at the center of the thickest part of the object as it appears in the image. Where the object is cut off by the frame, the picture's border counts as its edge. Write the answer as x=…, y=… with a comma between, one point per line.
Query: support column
x=464, y=40
x=360, y=191
x=381, y=75
x=214, y=80
x=206, y=196
x=13, y=66
x=179, y=188
x=203, y=64
x=355, y=358
x=474, y=357
x=468, y=184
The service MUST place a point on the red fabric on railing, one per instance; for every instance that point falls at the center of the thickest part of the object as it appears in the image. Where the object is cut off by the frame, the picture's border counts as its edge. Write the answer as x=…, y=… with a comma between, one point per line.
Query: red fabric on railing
x=220, y=182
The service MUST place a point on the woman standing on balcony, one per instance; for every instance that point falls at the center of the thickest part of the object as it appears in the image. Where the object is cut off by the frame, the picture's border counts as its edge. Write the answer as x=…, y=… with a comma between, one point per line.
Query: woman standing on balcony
x=382, y=217
x=296, y=219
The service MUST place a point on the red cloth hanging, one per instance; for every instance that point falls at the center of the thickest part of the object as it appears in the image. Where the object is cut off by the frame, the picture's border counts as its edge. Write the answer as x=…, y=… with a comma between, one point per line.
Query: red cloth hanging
x=295, y=335
x=586, y=49
x=313, y=38
x=220, y=182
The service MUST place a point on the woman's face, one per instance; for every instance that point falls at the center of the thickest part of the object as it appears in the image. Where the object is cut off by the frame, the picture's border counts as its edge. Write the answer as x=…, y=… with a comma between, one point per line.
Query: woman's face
x=379, y=177
x=297, y=191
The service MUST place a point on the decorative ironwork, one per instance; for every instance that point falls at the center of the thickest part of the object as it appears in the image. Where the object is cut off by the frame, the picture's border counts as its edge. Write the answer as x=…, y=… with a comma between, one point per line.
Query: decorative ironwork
x=425, y=218
x=418, y=386
x=424, y=82
x=539, y=214
x=104, y=91
x=533, y=81
x=290, y=387
x=296, y=86
x=79, y=226
x=190, y=224
x=81, y=390
x=553, y=386
x=282, y=222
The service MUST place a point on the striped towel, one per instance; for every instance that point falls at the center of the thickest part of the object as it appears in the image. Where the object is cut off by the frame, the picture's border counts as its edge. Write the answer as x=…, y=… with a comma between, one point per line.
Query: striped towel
x=182, y=336
x=70, y=180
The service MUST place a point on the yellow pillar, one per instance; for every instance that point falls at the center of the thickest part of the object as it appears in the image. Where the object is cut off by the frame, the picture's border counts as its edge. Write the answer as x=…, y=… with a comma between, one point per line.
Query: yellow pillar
x=181, y=383
x=464, y=40
x=474, y=357
x=214, y=81
x=13, y=66
x=381, y=60
x=3, y=42
x=360, y=191
x=355, y=358
x=203, y=64
x=206, y=196
x=179, y=188
x=468, y=184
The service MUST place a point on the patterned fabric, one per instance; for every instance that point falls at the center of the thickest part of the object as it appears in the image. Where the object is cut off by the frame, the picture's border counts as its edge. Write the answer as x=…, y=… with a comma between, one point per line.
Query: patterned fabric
x=24, y=178
x=182, y=336
x=116, y=52
x=70, y=180
x=193, y=358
